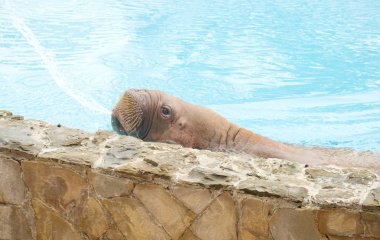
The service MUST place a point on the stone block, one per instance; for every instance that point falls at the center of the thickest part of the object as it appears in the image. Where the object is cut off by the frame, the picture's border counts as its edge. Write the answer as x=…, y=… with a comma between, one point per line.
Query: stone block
x=79, y=155
x=133, y=220
x=67, y=137
x=371, y=224
x=339, y=222
x=361, y=176
x=12, y=188
x=58, y=186
x=70, y=145
x=195, y=198
x=287, y=223
x=332, y=195
x=50, y=225
x=173, y=216
x=268, y=188
x=324, y=174
x=107, y=186
x=114, y=234
x=90, y=217
x=188, y=235
x=254, y=219
x=22, y=136
x=13, y=224
x=212, y=176
x=247, y=235
x=372, y=200
x=218, y=221
x=350, y=238
x=5, y=114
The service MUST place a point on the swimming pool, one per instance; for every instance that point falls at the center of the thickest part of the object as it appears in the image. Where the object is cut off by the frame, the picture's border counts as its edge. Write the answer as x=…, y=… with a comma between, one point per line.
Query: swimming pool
x=303, y=72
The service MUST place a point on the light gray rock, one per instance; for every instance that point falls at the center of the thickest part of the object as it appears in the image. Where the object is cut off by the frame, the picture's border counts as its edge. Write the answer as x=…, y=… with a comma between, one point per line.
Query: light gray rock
x=22, y=136
x=372, y=199
x=278, y=189
x=5, y=114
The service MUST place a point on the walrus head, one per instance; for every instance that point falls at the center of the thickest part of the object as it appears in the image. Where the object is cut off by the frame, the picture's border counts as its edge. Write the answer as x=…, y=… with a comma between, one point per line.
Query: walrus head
x=153, y=115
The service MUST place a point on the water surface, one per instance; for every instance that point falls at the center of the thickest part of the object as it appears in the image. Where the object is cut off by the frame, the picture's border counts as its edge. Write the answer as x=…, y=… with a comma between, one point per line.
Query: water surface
x=302, y=72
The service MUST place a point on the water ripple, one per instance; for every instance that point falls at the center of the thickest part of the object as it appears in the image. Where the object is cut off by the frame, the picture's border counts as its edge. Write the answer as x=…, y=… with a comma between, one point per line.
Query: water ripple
x=302, y=72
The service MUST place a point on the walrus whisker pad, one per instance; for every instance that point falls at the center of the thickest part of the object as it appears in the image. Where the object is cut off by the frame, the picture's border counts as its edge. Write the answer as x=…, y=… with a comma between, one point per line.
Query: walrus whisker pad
x=130, y=113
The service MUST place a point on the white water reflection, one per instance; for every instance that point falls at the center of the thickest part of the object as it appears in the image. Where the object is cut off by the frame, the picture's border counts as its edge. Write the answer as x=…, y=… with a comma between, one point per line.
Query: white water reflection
x=50, y=64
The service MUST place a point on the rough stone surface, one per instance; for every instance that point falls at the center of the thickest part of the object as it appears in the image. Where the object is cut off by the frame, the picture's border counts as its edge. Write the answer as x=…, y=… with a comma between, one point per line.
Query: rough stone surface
x=13, y=224
x=174, y=217
x=349, y=238
x=371, y=224
x=50, y=225
x=360, y=176
x=188, y=235
x=294, y=224
x=114, y=234
x=372, y=200
x=59, y=186
x=318, y=174
x=80, y=155
x=12, y=188
x=254, y=219
x=17, y=135
x=281, y=188
x=90, y=217
x=339, y=222
x=5, y=114
x=345, y=187
x=78, y=185
x=107, y=186
x=66, y=137
x=195, y=198
x=212, y=176
x=218, y=221
x=133, y=219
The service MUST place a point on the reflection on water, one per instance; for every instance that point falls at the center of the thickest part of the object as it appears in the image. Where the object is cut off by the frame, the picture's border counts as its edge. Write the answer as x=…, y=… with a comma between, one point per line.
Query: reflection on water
x=297, y=72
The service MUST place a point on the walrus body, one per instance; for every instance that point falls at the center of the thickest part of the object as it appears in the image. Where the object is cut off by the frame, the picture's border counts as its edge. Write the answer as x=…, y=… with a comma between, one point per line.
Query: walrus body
x=153, y=115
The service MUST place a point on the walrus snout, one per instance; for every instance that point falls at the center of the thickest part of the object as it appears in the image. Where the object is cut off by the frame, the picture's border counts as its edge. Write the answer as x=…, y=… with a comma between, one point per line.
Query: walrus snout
x=128, y=114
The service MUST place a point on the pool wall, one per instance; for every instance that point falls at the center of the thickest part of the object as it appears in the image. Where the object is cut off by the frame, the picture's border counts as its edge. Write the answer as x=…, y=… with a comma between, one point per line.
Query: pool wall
x=61, y=183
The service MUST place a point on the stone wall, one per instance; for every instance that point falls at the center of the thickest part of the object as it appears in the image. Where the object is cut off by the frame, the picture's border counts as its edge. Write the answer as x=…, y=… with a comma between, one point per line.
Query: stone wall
x=60, y=183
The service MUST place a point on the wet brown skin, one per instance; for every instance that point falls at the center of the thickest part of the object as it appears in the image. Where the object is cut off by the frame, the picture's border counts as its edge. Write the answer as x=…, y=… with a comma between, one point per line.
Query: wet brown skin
x=166, y=118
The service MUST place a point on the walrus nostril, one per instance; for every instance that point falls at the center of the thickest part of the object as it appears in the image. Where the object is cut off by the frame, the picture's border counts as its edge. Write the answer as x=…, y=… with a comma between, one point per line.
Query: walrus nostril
x=116, y=125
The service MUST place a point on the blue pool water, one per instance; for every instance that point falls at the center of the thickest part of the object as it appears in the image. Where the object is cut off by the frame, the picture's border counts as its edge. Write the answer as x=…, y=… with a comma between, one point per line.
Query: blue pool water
x=303, y=72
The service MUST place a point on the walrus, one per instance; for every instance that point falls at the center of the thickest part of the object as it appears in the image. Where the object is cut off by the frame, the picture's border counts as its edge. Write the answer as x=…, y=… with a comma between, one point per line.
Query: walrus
x=153, y=115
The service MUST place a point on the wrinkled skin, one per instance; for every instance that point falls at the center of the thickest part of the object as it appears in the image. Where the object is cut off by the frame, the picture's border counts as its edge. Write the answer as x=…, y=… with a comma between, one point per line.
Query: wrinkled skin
x=189, y=125
x=157, y=116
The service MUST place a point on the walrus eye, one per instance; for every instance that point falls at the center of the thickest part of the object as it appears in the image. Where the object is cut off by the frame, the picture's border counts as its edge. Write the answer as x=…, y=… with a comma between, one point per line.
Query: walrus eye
x=166, y=112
